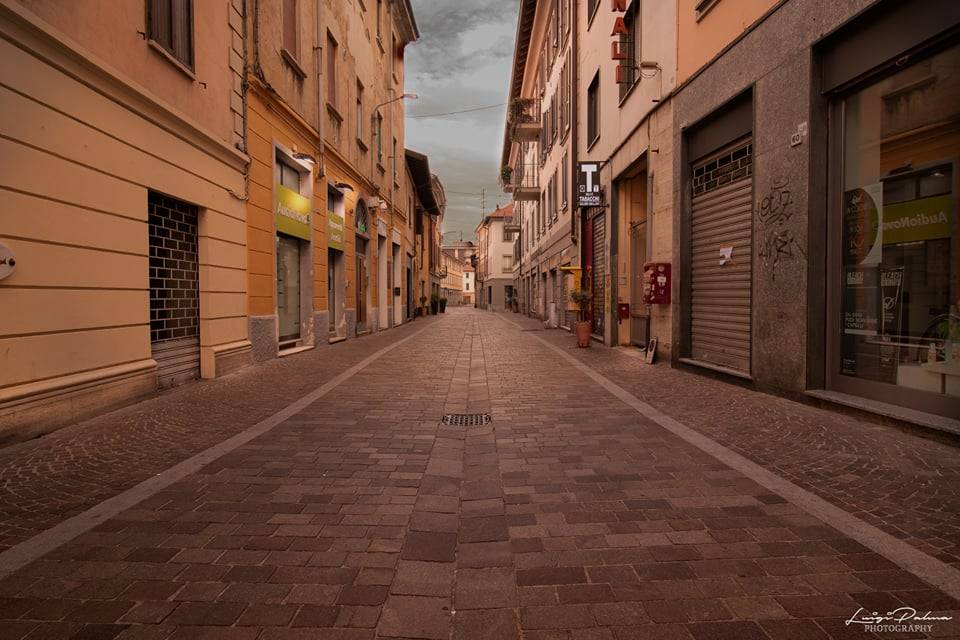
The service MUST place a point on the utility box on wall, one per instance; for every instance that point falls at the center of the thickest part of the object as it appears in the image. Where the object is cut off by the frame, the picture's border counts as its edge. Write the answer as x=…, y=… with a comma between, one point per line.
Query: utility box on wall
x=656, y=283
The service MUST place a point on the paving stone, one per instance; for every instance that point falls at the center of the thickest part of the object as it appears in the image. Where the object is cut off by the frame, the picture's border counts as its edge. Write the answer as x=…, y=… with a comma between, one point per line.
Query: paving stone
x=551, y=575
x=423, y=578
x=415, y=617
x=484, y=529
x=485, y=589
x=489, y=624
x=205, y=613
x=429, y=546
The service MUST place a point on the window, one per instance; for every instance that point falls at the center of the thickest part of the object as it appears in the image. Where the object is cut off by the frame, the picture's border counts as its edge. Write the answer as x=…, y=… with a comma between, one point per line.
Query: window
x=379, y=19
x=507, y=261
x=630, y=48
x=331, y=70
x=564, y=182
x=394, y=159
x=360, y=113
x=555, y=205
x=591, y=11
x=703, y=6
x=289, y=176
x=394, y=56
x=593, y=110
x=897, y=326
x=290, y=26
x=170, y=23
x=379, y=134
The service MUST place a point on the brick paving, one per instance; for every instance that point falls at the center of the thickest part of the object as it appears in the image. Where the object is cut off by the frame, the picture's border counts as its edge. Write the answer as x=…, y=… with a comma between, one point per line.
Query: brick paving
x=47, y=480
x=569, y=517
x=906, y=483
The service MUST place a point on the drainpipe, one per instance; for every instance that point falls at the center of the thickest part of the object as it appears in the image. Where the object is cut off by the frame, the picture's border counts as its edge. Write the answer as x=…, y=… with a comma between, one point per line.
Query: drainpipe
x=318, y=57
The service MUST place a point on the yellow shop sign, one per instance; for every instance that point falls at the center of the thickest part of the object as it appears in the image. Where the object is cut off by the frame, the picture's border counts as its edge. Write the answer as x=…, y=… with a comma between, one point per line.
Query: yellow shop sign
x=292, y=213
x=915, y=220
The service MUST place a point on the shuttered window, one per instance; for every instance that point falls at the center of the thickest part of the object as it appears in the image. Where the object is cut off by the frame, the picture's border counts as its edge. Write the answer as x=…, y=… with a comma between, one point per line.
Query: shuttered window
x=290, y=26
x=170, y=24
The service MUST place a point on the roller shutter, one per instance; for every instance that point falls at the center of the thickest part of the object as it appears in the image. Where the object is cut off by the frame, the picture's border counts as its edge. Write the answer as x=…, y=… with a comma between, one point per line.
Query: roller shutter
x=720, y=323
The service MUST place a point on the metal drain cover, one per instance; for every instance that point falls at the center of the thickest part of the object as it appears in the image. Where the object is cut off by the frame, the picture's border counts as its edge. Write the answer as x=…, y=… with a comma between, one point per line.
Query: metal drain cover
x=466, y=419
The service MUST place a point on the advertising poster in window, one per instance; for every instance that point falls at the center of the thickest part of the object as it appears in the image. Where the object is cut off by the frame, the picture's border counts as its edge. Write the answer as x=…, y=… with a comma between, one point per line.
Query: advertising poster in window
x=891, y=299
x=292, y=213
x=862, y=232
x=335, y=224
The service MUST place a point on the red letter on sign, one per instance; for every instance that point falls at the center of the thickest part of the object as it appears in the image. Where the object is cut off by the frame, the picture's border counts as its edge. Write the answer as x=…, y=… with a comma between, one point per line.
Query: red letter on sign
x=620, y=79
x=620, y=27
x=618, y=5
x=615, y=53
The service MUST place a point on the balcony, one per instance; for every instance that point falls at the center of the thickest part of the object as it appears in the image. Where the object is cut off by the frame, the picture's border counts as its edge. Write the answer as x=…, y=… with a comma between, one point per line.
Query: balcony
x=525, y=121
x=523, y=181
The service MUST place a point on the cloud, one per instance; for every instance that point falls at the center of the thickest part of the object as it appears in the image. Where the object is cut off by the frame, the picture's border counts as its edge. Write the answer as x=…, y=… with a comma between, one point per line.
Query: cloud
x=457, y=36
x=462, y=60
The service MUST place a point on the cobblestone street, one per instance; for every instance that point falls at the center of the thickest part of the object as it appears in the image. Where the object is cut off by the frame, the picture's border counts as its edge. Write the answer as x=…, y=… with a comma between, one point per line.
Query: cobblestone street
x=321, y=496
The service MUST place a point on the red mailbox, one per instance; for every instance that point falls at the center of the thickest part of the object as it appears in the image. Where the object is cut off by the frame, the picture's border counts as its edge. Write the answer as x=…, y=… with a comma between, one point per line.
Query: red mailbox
x=656, y=283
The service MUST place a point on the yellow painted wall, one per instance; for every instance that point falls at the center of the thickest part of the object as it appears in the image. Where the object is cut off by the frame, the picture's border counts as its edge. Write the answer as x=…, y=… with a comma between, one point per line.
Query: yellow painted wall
x=78, y=156
x=700, y=40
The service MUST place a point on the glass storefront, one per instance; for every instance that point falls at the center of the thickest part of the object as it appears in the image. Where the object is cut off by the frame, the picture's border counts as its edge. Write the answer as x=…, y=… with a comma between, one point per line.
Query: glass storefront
x=900, y=258
x=288, y=288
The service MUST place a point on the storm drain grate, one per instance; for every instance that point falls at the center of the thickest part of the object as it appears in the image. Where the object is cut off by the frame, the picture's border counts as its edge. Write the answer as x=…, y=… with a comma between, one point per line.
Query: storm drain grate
x=466, y=419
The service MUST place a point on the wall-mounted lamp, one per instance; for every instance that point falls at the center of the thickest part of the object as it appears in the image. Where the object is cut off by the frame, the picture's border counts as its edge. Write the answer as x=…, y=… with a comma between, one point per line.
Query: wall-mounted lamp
x=343, y=186
x=649, y=65
x=304, y=157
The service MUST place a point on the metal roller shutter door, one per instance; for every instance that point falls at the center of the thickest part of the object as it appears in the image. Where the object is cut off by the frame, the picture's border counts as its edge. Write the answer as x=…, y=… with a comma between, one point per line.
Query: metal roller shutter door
x=599, y=272
x=720, y=327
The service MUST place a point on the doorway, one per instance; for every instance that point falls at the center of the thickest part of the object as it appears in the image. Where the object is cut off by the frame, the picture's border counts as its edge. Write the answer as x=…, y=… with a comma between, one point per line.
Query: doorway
x=288, y=289
x=174, y=289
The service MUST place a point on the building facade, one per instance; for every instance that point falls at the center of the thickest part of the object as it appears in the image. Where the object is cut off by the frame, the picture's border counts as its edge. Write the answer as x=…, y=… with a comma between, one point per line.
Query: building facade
x=469, y=285
x=131, y=264
x=624, y=87
x=429, y=204
x=539, y=155
x=494, y=270
x=819, y=158
x=329, y=222
x=451, y=287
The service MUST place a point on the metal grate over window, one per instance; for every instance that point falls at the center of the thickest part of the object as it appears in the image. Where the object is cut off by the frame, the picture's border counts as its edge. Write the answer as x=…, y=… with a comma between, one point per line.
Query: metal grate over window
x=466, y=419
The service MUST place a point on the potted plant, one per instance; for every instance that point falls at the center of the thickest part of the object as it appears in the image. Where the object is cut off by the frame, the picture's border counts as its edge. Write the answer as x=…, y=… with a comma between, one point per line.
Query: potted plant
x=423, y=305
x=582, y=326
x=443, y=305
x=506, y=172
x=434, y=303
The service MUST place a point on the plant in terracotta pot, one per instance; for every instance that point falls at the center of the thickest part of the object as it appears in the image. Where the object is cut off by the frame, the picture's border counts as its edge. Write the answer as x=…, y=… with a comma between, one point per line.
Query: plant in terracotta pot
x=434, y=303
x=582, y=326
x=443, y=305
x=423, y=305
x=506, y=172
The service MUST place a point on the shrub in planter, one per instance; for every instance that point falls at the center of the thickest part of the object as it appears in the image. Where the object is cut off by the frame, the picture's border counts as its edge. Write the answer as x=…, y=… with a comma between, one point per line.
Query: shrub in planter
x=434, y=303
x=423, y=305
x=443, y=305
x=582, y=326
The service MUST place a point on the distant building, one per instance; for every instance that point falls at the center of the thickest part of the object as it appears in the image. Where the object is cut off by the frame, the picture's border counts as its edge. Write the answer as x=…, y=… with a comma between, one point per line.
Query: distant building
x=494, y=270
x=451, y=286
x=469, y=285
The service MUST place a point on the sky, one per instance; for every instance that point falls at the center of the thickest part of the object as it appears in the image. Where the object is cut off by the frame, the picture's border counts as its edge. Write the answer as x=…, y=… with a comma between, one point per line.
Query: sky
x=461, y=61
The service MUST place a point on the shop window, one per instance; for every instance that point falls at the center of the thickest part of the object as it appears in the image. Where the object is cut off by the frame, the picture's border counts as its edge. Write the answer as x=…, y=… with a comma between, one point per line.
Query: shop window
x=900, y=279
